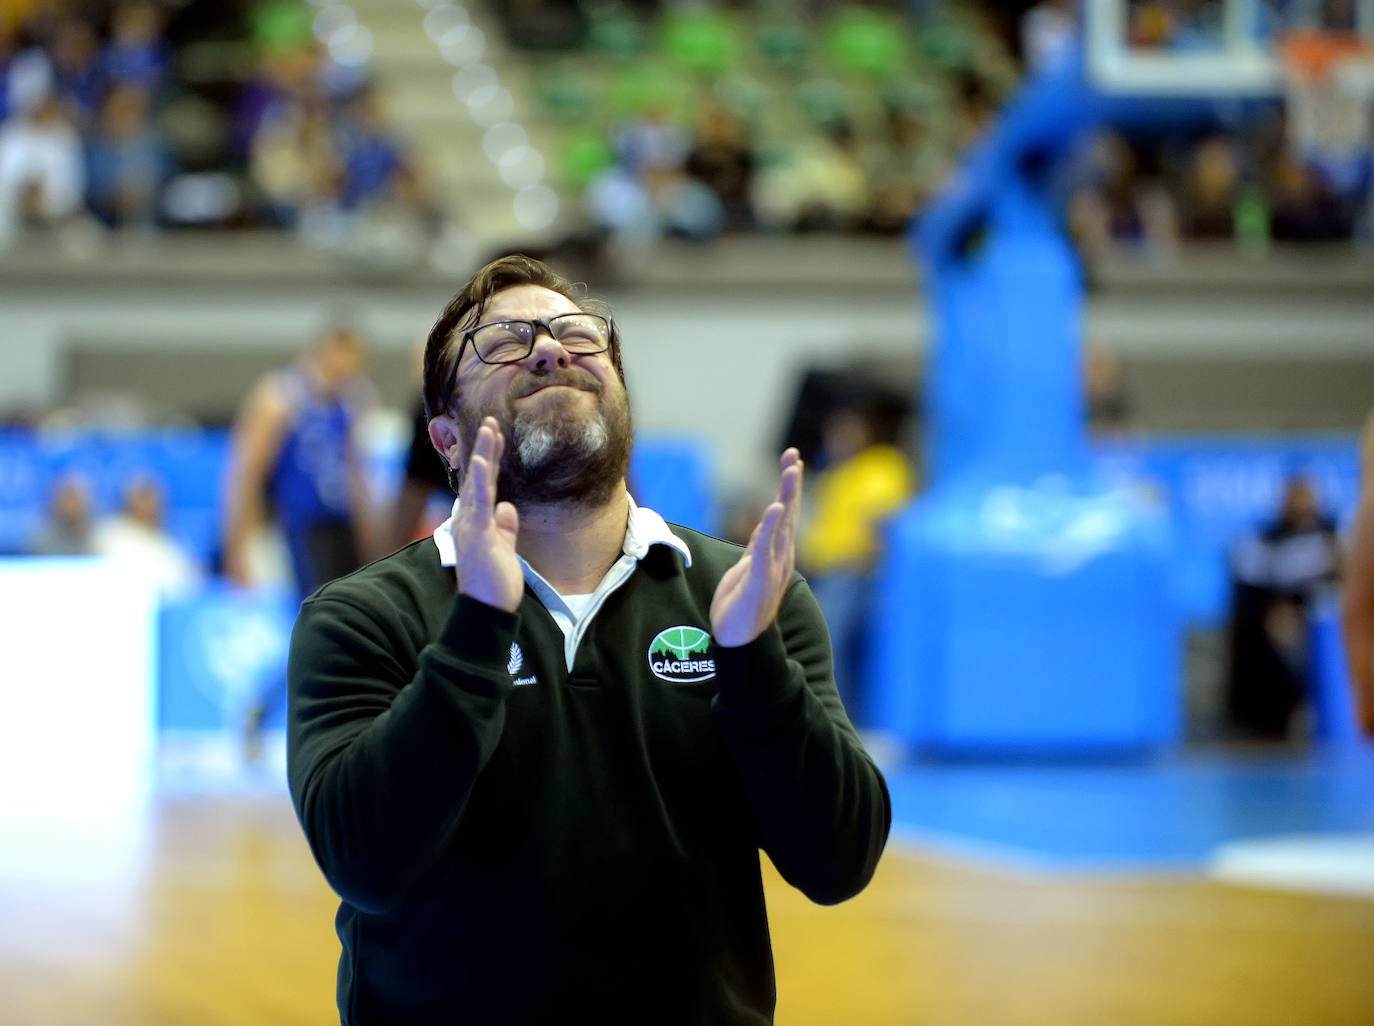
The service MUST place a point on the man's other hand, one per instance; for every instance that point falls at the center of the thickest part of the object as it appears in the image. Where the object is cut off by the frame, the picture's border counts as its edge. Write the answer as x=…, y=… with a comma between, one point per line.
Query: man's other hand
x=750, y=594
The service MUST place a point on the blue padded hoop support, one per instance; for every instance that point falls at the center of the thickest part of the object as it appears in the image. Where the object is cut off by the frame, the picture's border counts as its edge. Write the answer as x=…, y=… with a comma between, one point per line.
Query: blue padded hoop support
x=1025, y=602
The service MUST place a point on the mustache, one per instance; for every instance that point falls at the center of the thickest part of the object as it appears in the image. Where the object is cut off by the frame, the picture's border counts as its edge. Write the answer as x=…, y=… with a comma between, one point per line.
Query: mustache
x=574, y=377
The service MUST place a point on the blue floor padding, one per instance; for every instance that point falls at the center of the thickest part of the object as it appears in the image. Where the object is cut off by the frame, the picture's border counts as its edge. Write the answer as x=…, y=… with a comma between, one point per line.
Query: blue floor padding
x=1168, y=813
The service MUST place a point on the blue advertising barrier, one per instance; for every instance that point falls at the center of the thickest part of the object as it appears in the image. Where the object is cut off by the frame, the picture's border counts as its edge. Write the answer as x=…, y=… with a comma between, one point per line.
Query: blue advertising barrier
x=189, y=464
x=670, y=475
x=1036, y=659
x=1218, y=490
x=673, y=477
x=221, y=645
x=219, y=651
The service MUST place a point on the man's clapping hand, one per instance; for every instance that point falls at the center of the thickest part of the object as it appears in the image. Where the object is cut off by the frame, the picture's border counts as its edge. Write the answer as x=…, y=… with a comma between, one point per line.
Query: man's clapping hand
x=484, y=530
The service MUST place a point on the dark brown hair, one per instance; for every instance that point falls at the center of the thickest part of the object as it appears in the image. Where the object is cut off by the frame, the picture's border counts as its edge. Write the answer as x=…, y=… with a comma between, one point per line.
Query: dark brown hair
x=466, y=308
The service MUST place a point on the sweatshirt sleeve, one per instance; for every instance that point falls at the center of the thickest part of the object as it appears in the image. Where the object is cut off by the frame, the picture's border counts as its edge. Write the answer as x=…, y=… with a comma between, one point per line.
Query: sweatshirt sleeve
x=821, y=804
x=382, y=757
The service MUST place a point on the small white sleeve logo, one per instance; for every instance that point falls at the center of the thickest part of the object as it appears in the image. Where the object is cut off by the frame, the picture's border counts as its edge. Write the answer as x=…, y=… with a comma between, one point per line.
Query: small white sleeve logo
x=516, y=663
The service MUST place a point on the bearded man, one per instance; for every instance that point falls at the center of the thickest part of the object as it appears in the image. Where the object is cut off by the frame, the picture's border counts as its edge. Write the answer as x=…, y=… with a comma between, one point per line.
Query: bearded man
x=537, y=756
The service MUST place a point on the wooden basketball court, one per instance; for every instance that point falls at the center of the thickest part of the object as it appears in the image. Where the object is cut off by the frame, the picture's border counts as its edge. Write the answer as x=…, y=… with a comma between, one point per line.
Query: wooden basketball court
x=219, y=918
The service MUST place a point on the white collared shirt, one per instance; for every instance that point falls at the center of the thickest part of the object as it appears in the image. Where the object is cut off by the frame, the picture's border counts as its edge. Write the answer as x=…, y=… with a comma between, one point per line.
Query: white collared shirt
x=644, y=529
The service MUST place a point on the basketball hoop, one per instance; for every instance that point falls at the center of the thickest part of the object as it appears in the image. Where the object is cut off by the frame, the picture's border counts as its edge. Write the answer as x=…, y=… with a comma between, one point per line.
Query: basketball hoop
x=1329, y=83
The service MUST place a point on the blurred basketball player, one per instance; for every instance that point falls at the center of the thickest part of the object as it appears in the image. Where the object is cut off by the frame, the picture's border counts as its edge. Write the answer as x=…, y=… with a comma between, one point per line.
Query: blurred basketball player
x=294, y=465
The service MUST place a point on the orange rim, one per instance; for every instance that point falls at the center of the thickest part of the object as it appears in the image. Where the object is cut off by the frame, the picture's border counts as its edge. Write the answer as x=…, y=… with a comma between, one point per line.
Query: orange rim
x=1311, y=55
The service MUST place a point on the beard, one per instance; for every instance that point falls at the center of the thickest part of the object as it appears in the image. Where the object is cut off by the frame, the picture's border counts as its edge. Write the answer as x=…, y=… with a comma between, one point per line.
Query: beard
x=558, y=452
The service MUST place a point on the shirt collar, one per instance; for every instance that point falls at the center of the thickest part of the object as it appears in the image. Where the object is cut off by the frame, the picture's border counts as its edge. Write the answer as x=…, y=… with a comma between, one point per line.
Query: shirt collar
x=644, y=530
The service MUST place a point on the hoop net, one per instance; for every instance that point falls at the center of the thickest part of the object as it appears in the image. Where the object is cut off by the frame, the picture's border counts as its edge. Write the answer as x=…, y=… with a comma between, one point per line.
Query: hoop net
x=1329, y=84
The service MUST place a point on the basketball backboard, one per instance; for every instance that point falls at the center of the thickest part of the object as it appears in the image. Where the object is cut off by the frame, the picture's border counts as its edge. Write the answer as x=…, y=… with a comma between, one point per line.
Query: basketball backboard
x=1205, y=48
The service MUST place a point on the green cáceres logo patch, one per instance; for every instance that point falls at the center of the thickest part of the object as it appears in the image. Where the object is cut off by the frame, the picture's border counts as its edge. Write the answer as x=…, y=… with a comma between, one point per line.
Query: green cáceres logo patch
x=681, y=655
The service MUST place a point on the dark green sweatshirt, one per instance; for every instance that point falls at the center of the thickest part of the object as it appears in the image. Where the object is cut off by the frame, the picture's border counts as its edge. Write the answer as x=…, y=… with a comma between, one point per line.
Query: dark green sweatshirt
x=517, y=843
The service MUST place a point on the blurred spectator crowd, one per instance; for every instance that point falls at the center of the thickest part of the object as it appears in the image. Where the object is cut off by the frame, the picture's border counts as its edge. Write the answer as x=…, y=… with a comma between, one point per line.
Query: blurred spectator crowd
x=1253, y=171
x=138, y=114
x=699, y=120
x=690, y=120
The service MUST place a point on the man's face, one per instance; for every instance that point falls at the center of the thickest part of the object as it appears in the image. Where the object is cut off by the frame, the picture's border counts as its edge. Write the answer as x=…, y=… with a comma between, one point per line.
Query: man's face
x=566, y=418
x=341, y=358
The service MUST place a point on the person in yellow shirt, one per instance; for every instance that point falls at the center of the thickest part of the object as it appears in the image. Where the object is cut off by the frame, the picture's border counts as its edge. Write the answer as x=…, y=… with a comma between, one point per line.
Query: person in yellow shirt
x=861, y=484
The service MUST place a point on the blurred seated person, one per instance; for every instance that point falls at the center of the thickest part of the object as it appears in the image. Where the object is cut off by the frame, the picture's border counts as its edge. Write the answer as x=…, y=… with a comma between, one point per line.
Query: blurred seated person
x=373, y=157
x=722, y=160
x=126, y=159
x=137, y=537
x=78, y=77
x=137, y=55
x=42, y=173
x=295, y=163
x=862, y=482
x=1168, y=24
x=1276, y=577
x=69, y=528
x=820, y=184
x=1116, y=201
x=976, y=107
x=1049, y=34
x=906, y=165
x=1210, y=189
x=1304, y=208
x=648, y=194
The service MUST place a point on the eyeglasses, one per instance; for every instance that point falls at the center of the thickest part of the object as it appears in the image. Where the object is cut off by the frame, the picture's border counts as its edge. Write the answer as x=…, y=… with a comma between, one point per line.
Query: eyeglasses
x=582, y=334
